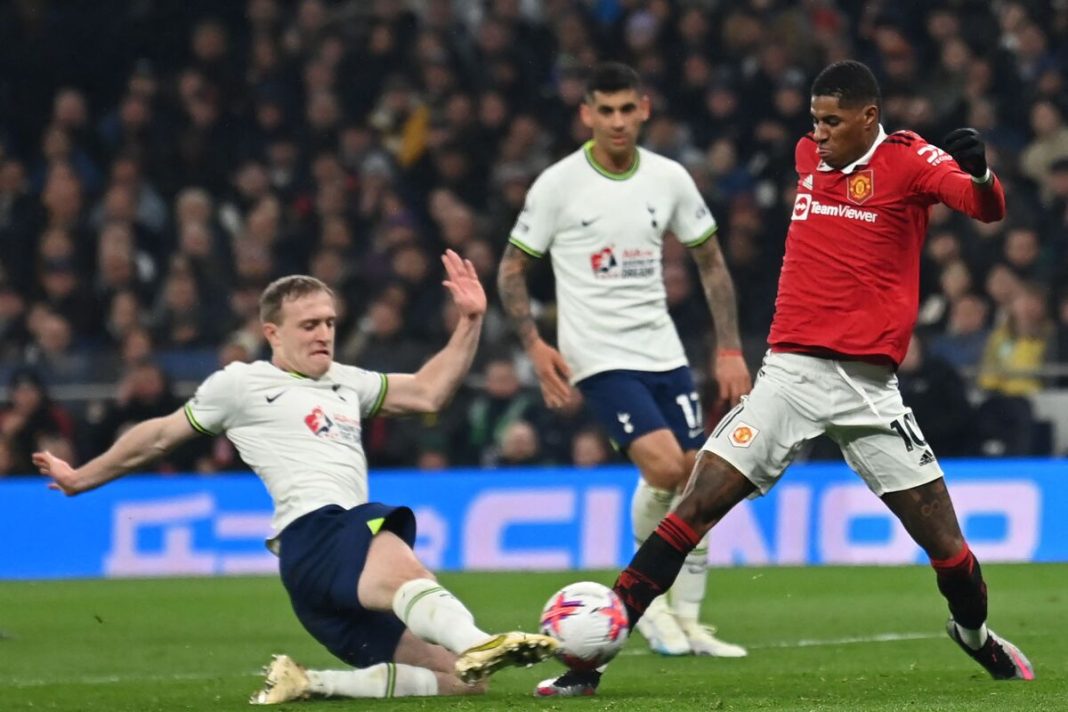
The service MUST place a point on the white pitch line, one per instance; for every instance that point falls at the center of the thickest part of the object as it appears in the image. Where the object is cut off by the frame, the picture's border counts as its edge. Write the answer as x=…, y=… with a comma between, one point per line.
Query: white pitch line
x=818, y=642
x=852, y=640
x=114, y=679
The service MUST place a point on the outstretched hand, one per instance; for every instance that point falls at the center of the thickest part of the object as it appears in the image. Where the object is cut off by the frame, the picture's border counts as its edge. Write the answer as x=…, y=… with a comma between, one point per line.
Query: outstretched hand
x=462, y=281
x=64, y=477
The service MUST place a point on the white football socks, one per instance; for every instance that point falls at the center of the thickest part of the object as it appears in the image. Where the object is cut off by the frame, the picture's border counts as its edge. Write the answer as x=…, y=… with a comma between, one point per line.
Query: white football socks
x=432, y=613
x=648, y=506
x=689, y=588
x=381, y=680
x=974, y=639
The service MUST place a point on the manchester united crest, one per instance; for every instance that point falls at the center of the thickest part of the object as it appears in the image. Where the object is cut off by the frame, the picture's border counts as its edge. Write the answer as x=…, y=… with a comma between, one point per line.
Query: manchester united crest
x=860, y=186
x=742, y=435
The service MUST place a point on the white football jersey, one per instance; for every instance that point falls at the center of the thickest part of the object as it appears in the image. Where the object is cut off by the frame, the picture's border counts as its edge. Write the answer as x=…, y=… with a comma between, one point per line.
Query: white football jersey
x=300, y=435
x=604, y=232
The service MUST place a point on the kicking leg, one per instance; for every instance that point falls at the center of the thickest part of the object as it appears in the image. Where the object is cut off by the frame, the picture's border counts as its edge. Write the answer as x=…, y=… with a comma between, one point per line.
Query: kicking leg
x=394, y=579
x=661, y=463
x=713, y=489
x=416, y=652
x=689, y=592
x=927, y=514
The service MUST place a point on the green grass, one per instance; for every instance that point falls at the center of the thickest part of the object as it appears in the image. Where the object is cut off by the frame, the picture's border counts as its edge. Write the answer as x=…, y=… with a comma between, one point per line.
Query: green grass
x=196, y=644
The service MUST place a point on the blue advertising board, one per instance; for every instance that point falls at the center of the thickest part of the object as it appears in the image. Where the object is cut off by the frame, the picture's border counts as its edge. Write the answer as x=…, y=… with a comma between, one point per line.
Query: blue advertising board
x=542, y=519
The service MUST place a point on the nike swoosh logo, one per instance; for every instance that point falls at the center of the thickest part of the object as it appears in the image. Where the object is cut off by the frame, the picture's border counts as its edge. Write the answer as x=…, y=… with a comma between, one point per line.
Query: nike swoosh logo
x=272, y=399
x=591, y=221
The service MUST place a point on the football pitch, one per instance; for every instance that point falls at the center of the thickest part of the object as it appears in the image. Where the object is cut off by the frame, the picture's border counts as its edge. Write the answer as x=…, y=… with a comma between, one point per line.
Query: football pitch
x=819, y=639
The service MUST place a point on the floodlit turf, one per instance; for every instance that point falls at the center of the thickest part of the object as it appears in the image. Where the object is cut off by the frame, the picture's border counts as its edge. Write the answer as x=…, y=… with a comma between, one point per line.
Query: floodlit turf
x=820, y=639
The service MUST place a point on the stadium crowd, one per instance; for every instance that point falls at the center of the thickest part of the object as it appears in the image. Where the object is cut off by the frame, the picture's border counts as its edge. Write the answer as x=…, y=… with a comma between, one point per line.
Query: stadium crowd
x=160, y=163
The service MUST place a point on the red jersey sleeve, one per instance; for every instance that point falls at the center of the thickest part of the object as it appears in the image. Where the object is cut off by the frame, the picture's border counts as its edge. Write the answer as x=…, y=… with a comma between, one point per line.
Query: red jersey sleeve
x=939, y=179
x=805, y=159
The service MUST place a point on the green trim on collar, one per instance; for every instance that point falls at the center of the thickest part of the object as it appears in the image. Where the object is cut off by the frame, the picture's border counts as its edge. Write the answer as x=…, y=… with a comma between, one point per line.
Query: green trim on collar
x=587, y=149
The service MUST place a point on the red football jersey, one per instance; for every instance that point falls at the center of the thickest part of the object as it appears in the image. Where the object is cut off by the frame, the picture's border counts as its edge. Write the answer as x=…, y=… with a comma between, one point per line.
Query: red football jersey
x=850, y=277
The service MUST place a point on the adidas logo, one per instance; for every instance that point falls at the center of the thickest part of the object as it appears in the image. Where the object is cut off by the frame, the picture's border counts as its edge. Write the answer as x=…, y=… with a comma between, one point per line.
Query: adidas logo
x=806, y=182
x=926, y=458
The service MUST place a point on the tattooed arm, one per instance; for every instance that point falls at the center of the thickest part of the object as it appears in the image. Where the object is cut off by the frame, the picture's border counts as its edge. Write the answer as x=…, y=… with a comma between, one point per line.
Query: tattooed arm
x=512, y=287
x=549, y=364
x=732, y=375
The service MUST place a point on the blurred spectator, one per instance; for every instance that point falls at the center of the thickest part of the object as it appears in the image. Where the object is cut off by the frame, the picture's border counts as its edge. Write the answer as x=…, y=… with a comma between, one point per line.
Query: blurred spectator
x=14, y=335
x=557, y=427
x=58, y=149
x=17, y=214
x=1062, y=336
x=180, y=319
x=1002, y=286
x=935, y=392
x=1050, y=144
x=29, y=416
x=1011, y=370
x=1023, y=253
x=52, y=352
x=590, y=448
x=148, y=207
x=144, y=392
x=63, y=292
x=1016, y=350
x=381, y=343
x=966, y=334
x=503, y=402
x=519, y=446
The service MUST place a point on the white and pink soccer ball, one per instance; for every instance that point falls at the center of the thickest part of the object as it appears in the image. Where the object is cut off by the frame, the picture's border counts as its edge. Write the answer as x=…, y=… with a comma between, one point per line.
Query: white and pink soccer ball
x=588, y=621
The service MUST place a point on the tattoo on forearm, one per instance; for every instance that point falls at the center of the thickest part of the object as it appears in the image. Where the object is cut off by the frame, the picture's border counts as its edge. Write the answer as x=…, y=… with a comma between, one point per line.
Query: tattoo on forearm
x=719, y=292
x=512, y=287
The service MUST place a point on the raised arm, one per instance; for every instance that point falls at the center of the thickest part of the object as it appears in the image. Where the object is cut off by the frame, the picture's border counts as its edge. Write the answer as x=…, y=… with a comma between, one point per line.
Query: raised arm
x=980, y=193
x=141, y=444
x=731, y=373
x=432, y=386
x=549, y=364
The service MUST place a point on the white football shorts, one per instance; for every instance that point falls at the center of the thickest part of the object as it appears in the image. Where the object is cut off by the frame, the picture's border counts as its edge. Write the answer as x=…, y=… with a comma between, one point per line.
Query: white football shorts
x=858, y=405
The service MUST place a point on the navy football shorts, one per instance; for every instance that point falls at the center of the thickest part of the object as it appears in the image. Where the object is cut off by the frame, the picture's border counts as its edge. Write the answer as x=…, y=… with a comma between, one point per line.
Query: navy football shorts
x=630, y=404
x=321, y=557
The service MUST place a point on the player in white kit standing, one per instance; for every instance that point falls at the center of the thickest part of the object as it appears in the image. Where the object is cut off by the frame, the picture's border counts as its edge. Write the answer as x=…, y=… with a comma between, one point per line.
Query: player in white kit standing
x=347, y=564
x=601, y=214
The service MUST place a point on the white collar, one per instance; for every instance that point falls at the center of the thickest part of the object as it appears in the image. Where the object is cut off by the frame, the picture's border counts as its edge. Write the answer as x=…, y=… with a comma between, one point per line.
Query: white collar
x=863, y=160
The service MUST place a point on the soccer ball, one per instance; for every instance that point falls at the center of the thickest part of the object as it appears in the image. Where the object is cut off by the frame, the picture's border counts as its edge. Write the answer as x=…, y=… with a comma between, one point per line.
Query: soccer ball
x=588, y=621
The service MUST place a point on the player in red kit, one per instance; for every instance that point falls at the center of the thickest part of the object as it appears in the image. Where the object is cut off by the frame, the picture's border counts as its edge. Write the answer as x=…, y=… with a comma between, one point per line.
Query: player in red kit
x=845, y=309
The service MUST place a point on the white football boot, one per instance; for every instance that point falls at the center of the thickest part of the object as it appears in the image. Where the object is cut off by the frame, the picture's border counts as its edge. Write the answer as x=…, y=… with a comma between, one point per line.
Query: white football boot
x=661, y=629
x=284, y=681
x=703, y=641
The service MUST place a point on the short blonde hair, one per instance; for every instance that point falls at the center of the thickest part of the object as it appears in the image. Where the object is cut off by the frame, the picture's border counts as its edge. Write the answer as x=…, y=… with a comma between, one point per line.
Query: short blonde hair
x=282, y=289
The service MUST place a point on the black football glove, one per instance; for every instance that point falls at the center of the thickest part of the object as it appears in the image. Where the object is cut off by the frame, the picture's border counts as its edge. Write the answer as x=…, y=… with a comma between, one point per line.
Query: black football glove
x=967, y=149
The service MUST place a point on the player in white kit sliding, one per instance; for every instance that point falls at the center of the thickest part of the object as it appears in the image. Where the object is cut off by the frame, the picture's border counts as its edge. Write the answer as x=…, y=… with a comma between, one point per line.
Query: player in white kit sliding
x=601, y=214
x=347, y=564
